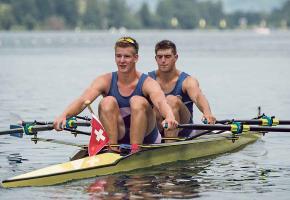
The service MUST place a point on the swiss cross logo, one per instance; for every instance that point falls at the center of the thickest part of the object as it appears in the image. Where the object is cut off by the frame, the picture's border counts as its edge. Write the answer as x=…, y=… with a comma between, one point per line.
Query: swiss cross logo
x=99, y=135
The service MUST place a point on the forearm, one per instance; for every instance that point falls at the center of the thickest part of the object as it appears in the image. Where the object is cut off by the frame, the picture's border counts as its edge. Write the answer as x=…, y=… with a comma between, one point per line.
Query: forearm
x=203, y=105
x=74, y=108
x=165, y=109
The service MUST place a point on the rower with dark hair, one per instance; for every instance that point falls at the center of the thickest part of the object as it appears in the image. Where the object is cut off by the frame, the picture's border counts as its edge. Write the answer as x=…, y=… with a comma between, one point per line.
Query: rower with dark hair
x=181, y=89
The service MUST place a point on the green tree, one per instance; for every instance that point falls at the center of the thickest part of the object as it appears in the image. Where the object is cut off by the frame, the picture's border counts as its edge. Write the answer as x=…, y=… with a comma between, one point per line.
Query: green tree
x=119, y=15
x=94, y=17
x=211, y=12
x=46, y=9
x=145, y=16
x=25, y=13
x=68, y=10
x=282, y=14
x=251, y=18
x=164, y=12
x=6, y=17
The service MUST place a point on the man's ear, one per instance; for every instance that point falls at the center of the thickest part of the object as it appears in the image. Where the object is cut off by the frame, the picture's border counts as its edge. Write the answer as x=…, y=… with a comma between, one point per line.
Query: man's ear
x=136, y=58
x=176, y=56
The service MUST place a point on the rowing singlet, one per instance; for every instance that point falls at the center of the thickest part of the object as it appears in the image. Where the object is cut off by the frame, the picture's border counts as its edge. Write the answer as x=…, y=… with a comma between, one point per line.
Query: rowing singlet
x=124, y=105
x=177, y=91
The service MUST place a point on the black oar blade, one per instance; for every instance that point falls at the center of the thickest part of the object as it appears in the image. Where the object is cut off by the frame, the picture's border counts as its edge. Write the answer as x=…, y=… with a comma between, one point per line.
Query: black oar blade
x=16, y=134
x=12, y=131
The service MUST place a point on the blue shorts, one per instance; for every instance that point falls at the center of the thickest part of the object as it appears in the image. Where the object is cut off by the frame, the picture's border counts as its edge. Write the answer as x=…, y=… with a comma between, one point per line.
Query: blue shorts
x=149, y=139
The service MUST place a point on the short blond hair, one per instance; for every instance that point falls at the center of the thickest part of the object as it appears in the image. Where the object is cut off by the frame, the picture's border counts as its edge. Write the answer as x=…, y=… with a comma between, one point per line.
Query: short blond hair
x=124, y=42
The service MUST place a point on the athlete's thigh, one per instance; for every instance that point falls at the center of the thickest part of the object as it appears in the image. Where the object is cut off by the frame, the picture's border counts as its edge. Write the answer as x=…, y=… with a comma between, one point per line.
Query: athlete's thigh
x=151, y=119
x=159, y=118
x=121, y=127
x=184, y=114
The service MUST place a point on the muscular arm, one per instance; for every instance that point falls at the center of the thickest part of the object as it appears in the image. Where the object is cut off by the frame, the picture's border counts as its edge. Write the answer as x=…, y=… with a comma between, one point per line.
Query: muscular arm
x=153, y=90
x=97, y=87
x=191, y=86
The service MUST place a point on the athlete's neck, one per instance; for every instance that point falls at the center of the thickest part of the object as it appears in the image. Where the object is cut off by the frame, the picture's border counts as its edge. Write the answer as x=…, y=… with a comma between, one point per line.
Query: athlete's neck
x=128, y=77
x=167, y=76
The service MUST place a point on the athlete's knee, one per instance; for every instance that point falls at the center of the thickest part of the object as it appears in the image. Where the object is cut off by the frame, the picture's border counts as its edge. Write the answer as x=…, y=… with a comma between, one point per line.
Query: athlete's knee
x=173, y=101
x=108, y=104
x=138, y=103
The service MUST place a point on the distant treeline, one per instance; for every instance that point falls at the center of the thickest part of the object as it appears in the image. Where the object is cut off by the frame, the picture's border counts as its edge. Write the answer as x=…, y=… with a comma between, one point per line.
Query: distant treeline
x=106, y=14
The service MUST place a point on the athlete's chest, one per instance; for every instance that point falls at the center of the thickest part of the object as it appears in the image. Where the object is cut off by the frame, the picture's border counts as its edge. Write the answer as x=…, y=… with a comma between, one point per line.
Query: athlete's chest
x=168, y=86
x=127, y=89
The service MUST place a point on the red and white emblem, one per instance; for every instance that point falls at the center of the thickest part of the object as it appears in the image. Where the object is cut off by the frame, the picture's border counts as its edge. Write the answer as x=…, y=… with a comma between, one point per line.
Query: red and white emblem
x=99, y=137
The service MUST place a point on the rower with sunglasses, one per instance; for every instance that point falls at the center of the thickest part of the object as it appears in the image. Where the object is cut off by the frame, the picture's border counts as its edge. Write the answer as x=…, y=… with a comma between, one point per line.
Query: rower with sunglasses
x=126, y=109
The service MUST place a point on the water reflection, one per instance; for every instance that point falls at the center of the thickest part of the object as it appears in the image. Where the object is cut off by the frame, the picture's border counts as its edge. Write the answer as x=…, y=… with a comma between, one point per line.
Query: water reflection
x=233, y=173
x=15, y=158
x=168, y=181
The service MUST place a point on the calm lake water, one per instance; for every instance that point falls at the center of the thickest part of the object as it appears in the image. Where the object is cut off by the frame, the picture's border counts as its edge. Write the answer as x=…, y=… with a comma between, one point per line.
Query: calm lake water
x=41, y=73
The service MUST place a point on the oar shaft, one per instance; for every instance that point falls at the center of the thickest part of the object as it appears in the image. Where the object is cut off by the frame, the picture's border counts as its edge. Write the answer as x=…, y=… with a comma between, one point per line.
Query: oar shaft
x=205, y=127
x=269, y=129
x=49, y=127
x=229, y=127
x=86, y=123
x=37, y=128
x=60, y=142
x=284, y=122
x=83, y=123
x=77, y=131
x=251, y=121
x=12, y=131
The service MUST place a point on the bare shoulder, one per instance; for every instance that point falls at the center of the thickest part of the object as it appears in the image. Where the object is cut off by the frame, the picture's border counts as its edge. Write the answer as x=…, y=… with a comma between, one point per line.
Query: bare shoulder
x=150, y=85
x=102, y=82
x=150, y=82
x=190, y=82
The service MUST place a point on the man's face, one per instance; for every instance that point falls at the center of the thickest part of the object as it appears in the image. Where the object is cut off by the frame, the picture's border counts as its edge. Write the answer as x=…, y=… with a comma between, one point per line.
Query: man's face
x=125, y=58
x=166, y=59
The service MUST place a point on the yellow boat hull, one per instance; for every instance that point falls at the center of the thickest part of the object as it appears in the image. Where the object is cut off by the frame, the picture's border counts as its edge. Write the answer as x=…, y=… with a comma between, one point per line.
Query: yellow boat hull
x=110, y=163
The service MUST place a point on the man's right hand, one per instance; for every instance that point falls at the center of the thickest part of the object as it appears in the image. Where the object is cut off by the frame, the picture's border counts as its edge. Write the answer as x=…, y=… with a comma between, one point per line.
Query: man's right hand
x=59, y=123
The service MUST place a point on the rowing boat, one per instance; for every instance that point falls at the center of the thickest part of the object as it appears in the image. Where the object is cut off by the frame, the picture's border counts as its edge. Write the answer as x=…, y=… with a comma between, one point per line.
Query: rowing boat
x=151, y=155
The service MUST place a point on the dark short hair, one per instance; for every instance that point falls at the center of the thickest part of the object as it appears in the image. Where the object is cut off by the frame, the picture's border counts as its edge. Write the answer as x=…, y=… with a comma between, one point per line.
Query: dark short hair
x=127, y=42
x=165, y=44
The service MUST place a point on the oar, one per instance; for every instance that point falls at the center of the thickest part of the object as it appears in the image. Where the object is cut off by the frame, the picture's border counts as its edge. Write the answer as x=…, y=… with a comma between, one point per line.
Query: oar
x=12, y=131
x=235, y=127
x=55, y=141
x=70, y=123
x=31, y=129
x=37, y=128
x=261, y=122
x=188, y=138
